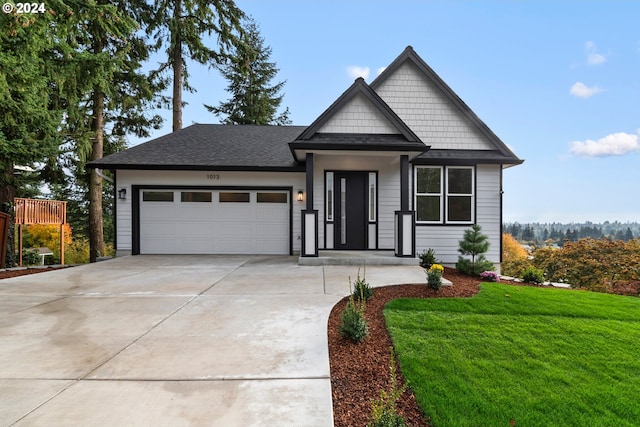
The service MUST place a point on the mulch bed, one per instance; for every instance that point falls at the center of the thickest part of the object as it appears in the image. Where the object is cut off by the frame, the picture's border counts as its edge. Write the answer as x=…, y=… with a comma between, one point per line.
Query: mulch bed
x=360, y=371
x=15, y=273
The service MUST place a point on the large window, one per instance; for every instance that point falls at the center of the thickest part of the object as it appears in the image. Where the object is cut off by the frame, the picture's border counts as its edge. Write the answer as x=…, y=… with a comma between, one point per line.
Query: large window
x=444, y=194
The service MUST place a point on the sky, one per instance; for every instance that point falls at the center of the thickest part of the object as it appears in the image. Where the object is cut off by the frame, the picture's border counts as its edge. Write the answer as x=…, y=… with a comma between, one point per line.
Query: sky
x=557, y=81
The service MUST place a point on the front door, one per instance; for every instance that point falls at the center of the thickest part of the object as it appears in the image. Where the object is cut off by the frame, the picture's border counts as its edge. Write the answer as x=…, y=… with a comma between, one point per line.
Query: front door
x=350, y=192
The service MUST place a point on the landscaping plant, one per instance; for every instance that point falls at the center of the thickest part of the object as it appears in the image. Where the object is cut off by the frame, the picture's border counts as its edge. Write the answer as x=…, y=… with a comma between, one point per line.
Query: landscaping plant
x=475, y=244
x=434, y=276
x=353, y=325
x=428, y=258
x=533, y=275
x=384, y=410
x=362, y=291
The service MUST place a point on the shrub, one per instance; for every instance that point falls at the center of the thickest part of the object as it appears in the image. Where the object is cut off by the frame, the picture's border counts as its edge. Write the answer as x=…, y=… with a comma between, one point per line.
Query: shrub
x=533, y=275
x=434, y=276
x=384, y=411
x=362, y=291
x=30, y=257
x=599, y=265
x=476, y=244
x=515, y=258
x=353, y=325
x=466, y=266
x=490, y=276
x=428, y=258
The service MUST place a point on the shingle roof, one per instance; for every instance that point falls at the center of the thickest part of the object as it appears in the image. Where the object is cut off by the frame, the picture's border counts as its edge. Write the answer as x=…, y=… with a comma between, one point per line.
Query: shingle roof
x=465, y=157
x=205, y=146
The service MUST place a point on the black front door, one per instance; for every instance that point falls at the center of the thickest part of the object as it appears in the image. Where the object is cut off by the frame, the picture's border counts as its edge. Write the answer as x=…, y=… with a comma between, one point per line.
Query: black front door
x=350, y=192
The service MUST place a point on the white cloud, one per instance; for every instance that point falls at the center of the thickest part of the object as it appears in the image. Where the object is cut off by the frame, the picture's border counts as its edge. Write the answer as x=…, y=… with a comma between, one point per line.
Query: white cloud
x=581, y=90
x=354, y=72
x=616, y=144
x=381, y=69
x=593, y=57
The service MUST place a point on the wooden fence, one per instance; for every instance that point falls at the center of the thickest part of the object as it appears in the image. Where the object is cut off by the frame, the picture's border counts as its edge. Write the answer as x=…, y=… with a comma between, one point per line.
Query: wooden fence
x=34, y=211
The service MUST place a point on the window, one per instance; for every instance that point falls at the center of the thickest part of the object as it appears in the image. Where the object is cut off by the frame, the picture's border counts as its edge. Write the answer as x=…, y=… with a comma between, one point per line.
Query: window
x=459, y=194
x=234, y=197
x=429, y=194
x=372, y=197
x=329, y=195
x=157, y=196
x=272, y=197
x=195, y=196
x=449, y=190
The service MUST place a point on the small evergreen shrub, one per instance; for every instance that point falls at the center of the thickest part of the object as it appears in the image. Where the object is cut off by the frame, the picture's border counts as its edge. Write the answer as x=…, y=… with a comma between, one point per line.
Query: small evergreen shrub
x=362, y=291
x=428, y=258
x=353, y=325
x=475, y=244
x=533, y=275
x=384, y=411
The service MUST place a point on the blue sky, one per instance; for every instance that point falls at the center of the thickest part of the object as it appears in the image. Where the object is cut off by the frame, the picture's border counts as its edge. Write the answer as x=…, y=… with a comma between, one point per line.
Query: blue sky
x=557, y=81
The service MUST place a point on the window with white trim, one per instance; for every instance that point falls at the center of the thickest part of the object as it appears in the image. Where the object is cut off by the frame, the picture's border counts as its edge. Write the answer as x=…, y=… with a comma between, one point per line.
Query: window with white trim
x=444, y=194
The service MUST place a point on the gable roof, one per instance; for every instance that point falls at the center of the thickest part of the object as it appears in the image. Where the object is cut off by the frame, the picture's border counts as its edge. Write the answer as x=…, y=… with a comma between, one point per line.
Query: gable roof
x=206, y=146
x=409, y=55
x=313, y=139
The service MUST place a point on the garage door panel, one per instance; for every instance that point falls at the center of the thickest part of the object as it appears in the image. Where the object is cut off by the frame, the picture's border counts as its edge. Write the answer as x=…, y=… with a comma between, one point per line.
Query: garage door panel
x=194, y=225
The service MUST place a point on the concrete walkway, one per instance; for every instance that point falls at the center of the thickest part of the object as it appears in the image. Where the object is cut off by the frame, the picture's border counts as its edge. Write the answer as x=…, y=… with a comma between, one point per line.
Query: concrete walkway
x=172, y=341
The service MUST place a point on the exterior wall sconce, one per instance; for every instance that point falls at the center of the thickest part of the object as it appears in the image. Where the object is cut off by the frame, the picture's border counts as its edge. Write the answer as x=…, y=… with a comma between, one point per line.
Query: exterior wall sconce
x=122, y=194
x=300, y=196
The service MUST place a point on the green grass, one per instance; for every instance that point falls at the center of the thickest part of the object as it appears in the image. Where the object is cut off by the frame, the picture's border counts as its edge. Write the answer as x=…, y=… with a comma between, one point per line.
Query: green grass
x=521, y=356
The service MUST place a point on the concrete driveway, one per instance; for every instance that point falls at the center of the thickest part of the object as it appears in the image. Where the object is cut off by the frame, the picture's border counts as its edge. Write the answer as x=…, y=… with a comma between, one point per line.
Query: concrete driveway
x=173, y=340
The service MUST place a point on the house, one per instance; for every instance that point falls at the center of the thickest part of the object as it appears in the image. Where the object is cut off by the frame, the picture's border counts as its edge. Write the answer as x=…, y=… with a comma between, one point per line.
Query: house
x=401, y=164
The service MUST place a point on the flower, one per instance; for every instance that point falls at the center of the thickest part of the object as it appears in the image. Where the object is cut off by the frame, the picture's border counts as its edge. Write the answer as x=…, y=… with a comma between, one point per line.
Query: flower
x=436, y=268
x=490, y=276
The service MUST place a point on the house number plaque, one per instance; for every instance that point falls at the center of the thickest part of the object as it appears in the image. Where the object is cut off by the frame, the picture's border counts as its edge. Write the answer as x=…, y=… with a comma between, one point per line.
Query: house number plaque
x=213, y=176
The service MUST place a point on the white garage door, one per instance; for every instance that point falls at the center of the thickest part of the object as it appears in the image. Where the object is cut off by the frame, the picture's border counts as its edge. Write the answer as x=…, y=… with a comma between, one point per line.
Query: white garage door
x=214, y=222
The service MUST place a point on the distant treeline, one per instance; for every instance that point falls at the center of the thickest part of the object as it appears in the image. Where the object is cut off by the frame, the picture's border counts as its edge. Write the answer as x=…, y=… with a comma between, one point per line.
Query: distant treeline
x=558, y=233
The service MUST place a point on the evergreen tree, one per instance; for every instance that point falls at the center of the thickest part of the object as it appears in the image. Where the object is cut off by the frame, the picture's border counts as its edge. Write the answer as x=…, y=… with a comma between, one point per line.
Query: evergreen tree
x=249, y=72
x=29, y=125
x=476, y=244
x=180, y=25
x=106, y=93
x=628, y=235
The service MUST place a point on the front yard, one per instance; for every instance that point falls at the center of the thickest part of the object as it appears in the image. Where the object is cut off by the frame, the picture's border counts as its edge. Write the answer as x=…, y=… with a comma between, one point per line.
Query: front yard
x=523, y=356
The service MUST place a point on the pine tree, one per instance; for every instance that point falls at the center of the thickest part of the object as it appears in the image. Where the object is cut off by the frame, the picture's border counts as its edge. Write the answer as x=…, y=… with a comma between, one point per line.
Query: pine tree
x=475, y=244
x=180, y=26
x=249, y=72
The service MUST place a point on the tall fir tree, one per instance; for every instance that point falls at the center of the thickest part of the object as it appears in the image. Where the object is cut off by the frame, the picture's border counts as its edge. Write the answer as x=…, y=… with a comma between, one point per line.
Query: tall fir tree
x=249, y=72
x=180, y=26
x=108, y=95
x=29, y=123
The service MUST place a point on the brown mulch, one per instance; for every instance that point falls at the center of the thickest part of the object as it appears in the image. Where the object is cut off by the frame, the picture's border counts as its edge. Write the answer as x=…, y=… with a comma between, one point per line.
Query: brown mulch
x=360, y=371
x=15, y=273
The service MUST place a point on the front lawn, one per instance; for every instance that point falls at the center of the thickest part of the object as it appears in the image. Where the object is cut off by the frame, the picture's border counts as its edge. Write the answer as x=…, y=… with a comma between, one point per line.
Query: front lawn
x=522, y=356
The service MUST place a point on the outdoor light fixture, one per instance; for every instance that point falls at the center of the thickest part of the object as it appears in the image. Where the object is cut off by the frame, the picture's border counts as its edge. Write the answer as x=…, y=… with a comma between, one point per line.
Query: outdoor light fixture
x=122, y=194
x=300, y=196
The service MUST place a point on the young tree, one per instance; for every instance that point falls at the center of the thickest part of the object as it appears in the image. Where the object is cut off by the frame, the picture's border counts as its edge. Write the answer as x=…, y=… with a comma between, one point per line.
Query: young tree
x=475, y=244
x=180, y=25
x=254, y=100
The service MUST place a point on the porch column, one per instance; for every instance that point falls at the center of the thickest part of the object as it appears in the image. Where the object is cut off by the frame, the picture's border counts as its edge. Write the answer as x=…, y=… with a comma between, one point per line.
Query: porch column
x=405, y=219
x=309, y=216
x=404, y=182
x=405, y=241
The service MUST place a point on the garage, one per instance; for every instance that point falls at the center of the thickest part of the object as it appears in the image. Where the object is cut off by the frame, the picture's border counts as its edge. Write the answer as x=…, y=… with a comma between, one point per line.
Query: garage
x=214, y=221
